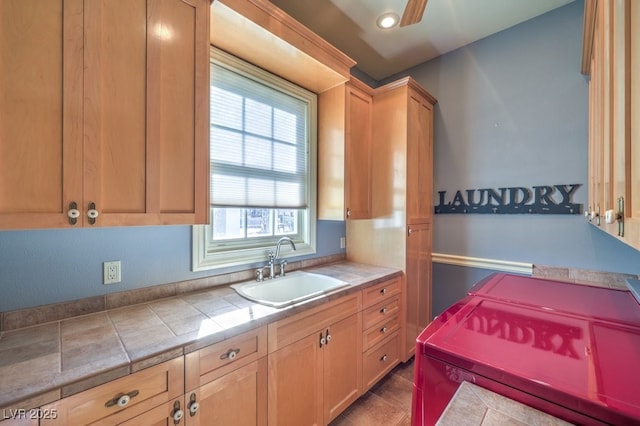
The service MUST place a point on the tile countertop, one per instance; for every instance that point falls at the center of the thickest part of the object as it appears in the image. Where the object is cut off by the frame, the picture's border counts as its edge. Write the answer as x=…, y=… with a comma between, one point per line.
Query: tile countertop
x=44, y=363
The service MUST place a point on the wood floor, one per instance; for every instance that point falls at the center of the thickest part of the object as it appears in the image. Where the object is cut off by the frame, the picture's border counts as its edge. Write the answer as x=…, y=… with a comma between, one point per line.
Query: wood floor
x=388, y=403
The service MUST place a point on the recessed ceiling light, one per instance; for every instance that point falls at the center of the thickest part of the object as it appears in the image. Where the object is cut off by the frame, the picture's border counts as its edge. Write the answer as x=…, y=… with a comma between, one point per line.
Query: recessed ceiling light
x=387, y=20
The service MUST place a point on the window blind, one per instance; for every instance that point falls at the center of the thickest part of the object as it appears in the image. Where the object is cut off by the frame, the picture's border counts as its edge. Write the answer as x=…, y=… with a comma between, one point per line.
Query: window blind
x=259, y=141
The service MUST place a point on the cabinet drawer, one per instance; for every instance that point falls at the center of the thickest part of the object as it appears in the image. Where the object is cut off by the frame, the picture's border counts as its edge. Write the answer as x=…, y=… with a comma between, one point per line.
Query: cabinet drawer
x=147, y=389
x=379, y=292
x=379, y=360
x=214, y=361
x=379, y=332
x=380, y=312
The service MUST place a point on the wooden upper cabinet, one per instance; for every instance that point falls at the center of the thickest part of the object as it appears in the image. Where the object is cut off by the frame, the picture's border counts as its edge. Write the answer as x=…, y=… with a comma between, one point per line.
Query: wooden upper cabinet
x=611, y=58
x=114, y=116
x=40, y=111
x=344, y=152
x=419, y=157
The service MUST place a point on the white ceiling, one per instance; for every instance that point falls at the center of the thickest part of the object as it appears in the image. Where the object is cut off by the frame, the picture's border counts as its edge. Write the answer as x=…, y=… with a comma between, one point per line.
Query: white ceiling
x=350, y=25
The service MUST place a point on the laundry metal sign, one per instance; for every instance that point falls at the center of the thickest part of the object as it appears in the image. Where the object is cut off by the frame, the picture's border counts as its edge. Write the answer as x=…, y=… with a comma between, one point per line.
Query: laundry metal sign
x=556, y=199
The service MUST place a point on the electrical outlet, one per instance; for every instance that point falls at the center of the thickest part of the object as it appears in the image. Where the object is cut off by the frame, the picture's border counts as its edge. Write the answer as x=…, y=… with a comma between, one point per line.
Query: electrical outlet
x=112, y=273
x=343, y=242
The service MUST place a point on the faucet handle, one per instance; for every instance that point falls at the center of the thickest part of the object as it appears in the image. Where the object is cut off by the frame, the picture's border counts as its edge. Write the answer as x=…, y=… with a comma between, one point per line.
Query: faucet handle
x=259, y=276
x=283, y=264
x=271, y=256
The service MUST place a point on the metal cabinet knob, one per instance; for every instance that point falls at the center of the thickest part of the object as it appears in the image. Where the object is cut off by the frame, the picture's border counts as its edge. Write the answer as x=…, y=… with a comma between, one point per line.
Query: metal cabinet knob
x=383, y=330
x=123, y=400
x=383, y=311
x=231, y=354
x=177, y=416
x=177, y=413
x=92, y=213
x=193, y=408
x=383, y=358
x=73, y=214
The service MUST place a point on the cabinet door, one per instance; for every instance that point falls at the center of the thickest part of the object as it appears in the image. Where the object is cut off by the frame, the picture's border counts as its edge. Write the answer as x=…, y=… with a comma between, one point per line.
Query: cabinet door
x=359, y=112
x=419, y=158
x=238, y=398
x=342, y=366
x=146, y=110
x=40, y=111
x=169, y=414
x=418, y=284
x=295, y=383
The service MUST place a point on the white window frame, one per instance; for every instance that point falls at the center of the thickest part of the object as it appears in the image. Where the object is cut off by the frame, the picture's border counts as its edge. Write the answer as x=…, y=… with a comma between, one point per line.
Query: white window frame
x=207, y=254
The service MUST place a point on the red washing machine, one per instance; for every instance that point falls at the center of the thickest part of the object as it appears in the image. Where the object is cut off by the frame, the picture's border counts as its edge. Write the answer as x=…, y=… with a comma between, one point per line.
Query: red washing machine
x=570, y=350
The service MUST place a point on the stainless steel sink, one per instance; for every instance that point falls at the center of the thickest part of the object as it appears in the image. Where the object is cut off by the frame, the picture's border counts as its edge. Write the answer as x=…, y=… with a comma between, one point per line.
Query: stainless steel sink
x=293, y=288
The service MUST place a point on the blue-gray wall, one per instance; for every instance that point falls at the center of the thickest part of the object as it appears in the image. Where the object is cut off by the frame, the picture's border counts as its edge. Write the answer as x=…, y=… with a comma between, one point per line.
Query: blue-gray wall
x=48, y=266
x=513, y=111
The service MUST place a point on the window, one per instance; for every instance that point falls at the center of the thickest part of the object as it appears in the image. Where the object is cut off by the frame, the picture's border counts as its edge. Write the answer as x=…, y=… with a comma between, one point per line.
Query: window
x=262, y=156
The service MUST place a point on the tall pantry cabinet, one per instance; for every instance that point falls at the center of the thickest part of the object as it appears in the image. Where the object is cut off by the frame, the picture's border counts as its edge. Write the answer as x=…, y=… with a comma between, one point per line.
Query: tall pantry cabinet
x=399, y=234
x=103, y=112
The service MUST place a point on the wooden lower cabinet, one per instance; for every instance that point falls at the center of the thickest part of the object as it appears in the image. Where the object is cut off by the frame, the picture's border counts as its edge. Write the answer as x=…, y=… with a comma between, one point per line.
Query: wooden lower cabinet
x=418, y=283
x=381, y=330
x=313, y=379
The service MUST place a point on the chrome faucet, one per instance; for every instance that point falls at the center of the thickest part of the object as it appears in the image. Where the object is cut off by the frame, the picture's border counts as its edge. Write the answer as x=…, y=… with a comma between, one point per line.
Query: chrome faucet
x=272, y=258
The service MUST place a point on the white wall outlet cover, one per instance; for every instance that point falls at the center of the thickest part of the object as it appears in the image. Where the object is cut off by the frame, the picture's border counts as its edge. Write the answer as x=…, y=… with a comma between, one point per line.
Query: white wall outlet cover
x=111, y=272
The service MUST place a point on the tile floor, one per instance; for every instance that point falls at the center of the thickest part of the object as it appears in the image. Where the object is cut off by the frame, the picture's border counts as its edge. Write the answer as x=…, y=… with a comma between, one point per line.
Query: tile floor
x=388, y=403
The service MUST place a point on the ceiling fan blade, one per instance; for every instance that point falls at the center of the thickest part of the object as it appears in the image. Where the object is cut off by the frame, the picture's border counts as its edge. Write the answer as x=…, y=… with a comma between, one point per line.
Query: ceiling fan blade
x=413, y=12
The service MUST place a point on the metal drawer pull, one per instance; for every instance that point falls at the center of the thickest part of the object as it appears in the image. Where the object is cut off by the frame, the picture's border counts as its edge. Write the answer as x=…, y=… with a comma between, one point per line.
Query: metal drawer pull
x=383, y=291
x=177, y=414
x=193, y=405
x=231, y=354
x=383, y=311
x=383, y=358
x=121, y=400
x=92, y=213
x=383, y=330
x=73, y=213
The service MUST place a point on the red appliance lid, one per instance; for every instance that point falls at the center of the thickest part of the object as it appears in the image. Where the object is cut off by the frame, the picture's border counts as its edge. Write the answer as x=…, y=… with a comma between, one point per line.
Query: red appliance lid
x=582, y=342
x=584, y=300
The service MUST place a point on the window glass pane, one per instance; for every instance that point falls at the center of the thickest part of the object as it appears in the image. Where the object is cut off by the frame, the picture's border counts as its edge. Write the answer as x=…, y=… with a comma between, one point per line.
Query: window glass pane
x=285, y=126
x=228, y=224
x=259, y=222
x=228, y=146
x=258, y=118
x=284, y=157
x=226, y=108
x=265, y=131
x=258, y=152
x=286, y=221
